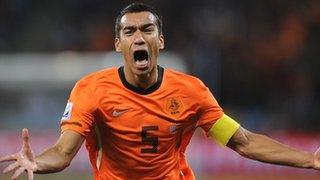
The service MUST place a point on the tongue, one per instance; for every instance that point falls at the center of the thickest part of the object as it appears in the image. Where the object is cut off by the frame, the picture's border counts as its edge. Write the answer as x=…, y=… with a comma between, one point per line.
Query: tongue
x=142, y=63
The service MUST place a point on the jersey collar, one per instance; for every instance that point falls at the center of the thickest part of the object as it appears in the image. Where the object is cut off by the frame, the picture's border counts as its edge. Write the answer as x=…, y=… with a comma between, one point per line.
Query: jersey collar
x=139, y=90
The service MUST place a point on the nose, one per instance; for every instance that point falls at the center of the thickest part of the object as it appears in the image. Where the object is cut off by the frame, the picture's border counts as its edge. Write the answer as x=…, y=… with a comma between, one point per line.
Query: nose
x=139, y=40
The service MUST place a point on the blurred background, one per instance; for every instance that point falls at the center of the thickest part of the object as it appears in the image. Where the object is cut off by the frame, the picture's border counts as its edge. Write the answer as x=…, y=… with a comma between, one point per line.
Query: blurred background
x=259, y=58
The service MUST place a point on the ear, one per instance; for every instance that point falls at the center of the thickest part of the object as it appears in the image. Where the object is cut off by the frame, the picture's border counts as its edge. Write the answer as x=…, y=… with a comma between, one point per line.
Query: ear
x=161, y=40
x=117, y=44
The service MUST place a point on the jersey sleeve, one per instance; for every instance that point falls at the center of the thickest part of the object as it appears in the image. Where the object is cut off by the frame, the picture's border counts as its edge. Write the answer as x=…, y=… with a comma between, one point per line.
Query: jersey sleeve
x=80, y=111
x=210, y=111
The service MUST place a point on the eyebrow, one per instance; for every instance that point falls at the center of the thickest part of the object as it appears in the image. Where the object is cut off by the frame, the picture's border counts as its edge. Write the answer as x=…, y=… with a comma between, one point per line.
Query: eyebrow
x=147, y=25
x=141, y=26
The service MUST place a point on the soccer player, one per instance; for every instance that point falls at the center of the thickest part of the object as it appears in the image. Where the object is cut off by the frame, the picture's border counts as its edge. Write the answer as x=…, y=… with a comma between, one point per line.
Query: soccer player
x=138, y=119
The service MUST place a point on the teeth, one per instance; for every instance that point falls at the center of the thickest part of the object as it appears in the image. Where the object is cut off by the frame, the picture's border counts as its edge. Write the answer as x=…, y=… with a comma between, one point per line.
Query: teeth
x=142, y=63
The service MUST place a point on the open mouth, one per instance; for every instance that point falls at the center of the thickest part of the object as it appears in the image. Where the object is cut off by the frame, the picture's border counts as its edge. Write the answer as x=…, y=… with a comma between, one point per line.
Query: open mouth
x=141, y=59
x=140, y=55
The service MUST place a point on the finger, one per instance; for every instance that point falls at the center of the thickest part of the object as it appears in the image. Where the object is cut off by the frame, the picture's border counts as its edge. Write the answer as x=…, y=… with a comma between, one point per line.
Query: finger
x=30, y=174
x=25, y=138
x=17, y=173
x=11, y=157
x=11, y=167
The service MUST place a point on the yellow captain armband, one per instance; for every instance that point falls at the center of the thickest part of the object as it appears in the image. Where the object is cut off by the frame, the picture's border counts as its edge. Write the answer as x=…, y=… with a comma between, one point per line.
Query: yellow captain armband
x=223, y=129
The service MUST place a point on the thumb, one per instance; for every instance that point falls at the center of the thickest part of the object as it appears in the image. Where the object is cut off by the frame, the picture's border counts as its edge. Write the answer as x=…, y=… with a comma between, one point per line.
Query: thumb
x=25, y=138
x=316, y=159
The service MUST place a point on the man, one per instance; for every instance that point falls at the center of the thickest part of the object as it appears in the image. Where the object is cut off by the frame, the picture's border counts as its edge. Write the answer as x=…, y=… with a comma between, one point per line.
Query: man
x=138, y=119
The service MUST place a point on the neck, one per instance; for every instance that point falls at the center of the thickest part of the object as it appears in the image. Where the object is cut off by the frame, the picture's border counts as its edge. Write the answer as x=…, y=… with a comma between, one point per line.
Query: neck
x=142, y=81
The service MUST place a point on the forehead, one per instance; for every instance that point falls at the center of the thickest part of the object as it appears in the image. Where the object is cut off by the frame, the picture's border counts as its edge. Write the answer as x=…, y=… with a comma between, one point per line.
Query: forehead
x=137, y=19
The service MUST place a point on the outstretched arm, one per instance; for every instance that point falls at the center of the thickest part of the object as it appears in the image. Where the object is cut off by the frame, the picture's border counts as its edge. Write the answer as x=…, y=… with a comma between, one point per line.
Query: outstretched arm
x=262, y=148
x=60, y=155
x=54, y=159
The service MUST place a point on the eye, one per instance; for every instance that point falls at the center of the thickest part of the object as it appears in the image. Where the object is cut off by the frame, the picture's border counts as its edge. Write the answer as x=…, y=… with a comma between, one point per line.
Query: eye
x=127, y=32
x=149, y=29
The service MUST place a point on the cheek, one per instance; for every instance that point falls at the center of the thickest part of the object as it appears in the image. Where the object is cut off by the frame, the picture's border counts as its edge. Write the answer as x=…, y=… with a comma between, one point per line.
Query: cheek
x=155, y=43
x=125, y=43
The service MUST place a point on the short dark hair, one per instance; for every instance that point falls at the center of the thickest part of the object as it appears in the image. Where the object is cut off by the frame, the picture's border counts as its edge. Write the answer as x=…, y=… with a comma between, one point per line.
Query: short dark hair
x=135, y=8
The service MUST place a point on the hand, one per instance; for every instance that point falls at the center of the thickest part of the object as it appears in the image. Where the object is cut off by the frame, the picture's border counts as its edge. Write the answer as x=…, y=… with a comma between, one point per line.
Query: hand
x=24, y=160
x=316, y=160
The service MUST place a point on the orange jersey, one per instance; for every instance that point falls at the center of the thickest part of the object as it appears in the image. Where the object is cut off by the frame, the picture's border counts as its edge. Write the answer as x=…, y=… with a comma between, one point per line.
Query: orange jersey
x=134, y=133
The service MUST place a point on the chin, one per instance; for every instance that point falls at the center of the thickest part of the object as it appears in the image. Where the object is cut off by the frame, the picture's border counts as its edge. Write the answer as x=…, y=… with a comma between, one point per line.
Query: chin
x=139, y=72
x=142, y=72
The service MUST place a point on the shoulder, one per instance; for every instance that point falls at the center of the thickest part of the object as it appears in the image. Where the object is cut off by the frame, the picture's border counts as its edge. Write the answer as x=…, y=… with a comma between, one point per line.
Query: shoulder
x=85, y=92
x=183, y=79
x=97, y=76
x=92, y=80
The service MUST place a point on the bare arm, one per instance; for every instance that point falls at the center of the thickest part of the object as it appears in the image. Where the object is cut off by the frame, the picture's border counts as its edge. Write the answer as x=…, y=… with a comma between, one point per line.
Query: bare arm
x=54, y=159
x=60, y=155
x=262, y=148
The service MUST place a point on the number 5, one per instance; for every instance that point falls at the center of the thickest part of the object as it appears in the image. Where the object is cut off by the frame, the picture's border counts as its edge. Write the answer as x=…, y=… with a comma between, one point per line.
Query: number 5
x=149, y=140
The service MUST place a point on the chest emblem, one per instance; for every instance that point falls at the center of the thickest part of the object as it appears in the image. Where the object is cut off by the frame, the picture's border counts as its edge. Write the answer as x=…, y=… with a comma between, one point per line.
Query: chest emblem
x=174, y=106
